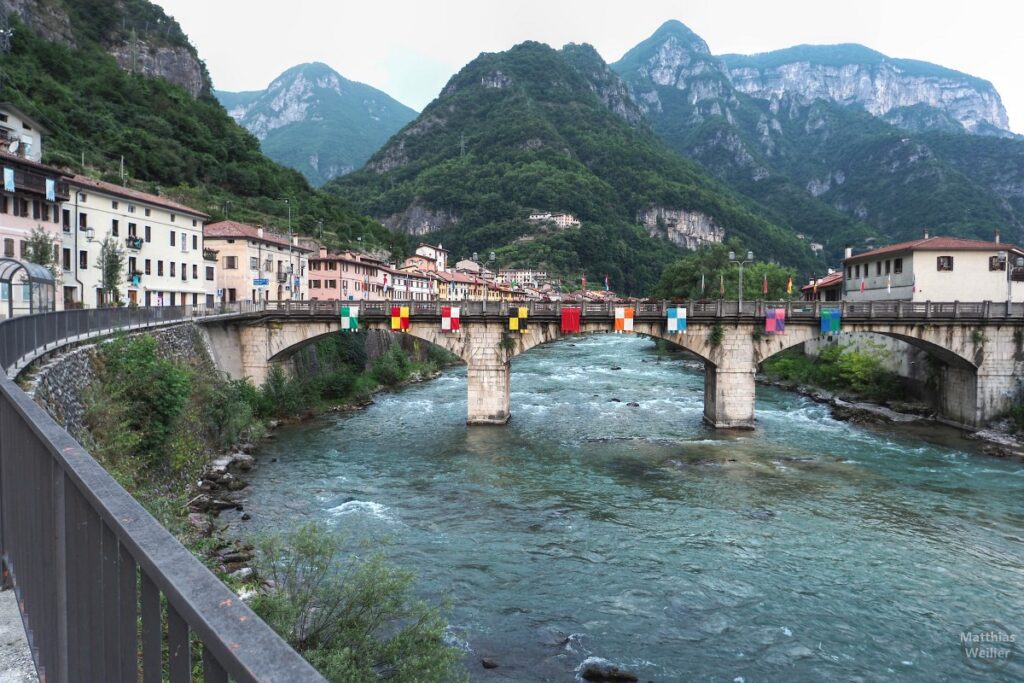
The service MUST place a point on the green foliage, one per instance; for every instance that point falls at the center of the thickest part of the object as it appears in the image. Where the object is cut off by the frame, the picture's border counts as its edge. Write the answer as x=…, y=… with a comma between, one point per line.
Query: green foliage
x=716, y=334
x=151, y=391
x=978, y=337
x=284, y=396
x=545, y=141
x=110, y=263
x=862, y=371
x=40, y=249
x=184, y=147
x=682, y=279
x=392, y=367
x=355, y=619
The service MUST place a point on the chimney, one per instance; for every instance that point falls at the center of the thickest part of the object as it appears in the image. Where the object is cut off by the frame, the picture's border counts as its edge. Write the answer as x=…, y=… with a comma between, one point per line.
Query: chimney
x=926, y=233
x=259, y=233
x=323, y=252
x=997, y=236
x=295, y=240
x=848, y=252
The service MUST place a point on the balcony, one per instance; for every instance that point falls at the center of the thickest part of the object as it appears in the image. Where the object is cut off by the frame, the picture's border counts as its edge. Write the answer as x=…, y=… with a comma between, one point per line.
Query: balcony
x=210, y=254
x=282, y=276
x=35, y=183
x=133, y=242
x=135, y=278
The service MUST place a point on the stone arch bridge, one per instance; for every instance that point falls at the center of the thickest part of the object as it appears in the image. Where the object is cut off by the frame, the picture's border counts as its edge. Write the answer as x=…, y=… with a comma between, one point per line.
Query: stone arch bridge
x=977, y=346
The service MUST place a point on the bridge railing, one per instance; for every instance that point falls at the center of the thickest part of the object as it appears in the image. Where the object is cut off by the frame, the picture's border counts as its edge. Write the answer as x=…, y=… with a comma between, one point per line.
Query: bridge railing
x=24, y=338
x=105, y=592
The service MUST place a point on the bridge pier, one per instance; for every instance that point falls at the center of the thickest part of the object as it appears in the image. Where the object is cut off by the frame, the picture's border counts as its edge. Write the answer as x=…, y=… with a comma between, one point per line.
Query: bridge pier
x=487, y=382
x=728, y=397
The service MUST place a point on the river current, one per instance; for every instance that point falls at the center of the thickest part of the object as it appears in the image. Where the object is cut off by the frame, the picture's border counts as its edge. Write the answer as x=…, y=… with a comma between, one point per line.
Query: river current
x=807, y=550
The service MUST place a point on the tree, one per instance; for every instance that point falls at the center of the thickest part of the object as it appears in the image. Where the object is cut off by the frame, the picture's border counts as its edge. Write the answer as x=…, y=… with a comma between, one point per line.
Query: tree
x=111, y=265
x=40, y=249
x=701, y=274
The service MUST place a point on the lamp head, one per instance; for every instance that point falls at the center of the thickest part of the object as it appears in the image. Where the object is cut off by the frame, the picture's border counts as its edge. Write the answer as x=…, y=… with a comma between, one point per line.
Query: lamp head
x=732, y=255
x=750, y=256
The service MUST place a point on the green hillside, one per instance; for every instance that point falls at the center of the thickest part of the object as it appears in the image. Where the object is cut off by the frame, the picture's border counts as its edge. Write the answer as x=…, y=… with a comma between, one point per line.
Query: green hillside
x=535, y=128
x=185, y=147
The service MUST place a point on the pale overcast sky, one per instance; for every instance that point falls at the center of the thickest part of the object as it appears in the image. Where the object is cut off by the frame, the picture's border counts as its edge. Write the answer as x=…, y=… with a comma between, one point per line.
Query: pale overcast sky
x=410, y=48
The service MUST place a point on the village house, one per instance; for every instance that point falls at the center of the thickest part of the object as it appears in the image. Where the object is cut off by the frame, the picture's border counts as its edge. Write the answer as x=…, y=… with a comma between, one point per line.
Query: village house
x=162, y=242
x=936, y=269
x=437, y=255
x=347, y=276
x=828, y=288
x=256, y=264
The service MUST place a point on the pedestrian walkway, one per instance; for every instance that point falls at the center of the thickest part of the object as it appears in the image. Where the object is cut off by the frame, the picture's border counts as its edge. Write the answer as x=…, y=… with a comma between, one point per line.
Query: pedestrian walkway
x=15, y=659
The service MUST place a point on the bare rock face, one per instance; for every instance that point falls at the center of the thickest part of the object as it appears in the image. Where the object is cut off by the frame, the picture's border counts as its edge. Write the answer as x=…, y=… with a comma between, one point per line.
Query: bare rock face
x=48, y=20
x=687, y=229
x=419, y=219
x=175, y=64
x=878, y=88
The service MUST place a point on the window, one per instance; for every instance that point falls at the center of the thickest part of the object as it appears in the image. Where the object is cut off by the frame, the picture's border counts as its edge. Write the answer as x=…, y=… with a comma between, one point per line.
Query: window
x=133, y=230
x=857, y=270
x=195, y=242
x=849, y=272
x=195, y=271
x=113, y=204
x=172, y=264
x=9, y=247
x=3, y=204
x=149, y=266
x=67, y=218
x=172, y=217
x=996, y=263
x=82, y=221
x=331, y=284
x=114, y=227
x=878, y=268
x=131, y=209
x=194, y=222
x=81, y=198
x=230, y=262
x=172, y=237
x=65, y=260
x=254, y=263
x=184, y=242
x=131, y=265
x=159, y=267
x=149, y=234
x=944, y=262
x=209, y=273
x=897, y=266
x=3, y=117
x=83, y=259
x=314, y=284
x=23, y=246
x=888, y=266
x=147, y=210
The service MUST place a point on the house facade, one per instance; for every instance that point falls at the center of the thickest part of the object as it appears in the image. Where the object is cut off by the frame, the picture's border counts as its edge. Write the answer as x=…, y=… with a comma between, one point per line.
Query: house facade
x=936, y=269
x=162, y=243
x=347, y=277
x=254, y=264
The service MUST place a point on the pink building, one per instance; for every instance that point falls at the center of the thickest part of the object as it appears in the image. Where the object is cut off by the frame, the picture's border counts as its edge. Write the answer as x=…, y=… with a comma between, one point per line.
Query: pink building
x=348, y=276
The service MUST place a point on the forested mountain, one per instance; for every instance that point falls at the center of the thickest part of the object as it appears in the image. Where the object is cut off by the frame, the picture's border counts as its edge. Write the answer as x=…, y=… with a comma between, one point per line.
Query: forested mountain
x=313, y=119
x=540, y=129
x=792, y=130
x=173, y=139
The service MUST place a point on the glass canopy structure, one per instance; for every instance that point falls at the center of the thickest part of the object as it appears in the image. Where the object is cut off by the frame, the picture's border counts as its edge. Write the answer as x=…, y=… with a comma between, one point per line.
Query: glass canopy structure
x=25, y=288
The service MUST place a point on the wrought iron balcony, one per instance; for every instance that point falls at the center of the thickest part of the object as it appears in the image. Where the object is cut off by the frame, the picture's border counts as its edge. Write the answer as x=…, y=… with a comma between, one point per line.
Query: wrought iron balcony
x=133, y=242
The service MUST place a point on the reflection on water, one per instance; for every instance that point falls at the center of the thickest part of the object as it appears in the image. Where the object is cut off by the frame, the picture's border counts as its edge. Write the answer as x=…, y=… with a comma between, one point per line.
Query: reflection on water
x=805, y=550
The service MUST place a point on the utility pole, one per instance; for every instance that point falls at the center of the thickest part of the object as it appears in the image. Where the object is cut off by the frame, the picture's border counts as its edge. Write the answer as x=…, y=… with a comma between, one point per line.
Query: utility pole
x=122, y=169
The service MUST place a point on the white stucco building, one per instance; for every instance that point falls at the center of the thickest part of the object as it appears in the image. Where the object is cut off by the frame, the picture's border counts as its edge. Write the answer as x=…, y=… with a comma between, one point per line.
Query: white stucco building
x=936, y=269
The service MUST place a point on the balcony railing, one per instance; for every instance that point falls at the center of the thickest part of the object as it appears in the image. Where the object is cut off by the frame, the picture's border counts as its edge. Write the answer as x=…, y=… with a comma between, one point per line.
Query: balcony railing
x=35, y=183
x=133, y=242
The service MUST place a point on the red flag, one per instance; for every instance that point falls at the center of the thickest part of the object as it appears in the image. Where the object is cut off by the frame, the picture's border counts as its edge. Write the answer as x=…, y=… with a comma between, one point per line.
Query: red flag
x=861, y=286
x=764, y=285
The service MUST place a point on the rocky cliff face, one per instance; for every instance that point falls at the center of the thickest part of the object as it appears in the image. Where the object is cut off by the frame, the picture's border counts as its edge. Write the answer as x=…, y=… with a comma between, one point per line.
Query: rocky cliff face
x=175, y=64
x=853, y=75
x=687, y=229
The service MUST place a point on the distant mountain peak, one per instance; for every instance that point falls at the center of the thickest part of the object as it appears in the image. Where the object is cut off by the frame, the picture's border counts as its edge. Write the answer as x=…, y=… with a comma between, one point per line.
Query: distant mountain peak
x=317, y=121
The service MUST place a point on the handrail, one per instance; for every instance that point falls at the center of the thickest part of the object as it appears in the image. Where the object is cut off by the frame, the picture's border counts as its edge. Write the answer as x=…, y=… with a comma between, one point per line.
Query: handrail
x=88, y=563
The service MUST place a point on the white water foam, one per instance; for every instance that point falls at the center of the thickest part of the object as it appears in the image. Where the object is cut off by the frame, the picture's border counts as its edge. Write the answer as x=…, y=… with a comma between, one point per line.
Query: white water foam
x=364, y=506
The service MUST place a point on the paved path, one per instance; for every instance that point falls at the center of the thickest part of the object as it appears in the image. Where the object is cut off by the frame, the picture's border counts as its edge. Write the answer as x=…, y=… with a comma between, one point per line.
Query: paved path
x=15, y=660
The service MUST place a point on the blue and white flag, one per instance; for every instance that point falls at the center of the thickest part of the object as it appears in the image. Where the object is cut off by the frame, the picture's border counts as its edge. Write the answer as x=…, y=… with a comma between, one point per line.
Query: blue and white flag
x=51, y=190
x=676, y=319
x=8, y=180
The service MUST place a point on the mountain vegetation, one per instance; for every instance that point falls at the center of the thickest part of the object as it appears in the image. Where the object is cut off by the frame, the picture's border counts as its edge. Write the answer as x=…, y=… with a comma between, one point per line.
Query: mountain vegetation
x=836, y=173
x=535, y=128
x=314, y=120
x=171, y=142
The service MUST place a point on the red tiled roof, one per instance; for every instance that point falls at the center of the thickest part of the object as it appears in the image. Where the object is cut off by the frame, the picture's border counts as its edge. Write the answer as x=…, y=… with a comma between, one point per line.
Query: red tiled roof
x=936, y=244
x=232, y=229
x=86, y=182
x=829, y=280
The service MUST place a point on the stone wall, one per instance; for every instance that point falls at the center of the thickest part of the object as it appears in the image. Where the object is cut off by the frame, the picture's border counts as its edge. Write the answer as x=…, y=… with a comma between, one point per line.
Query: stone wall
x=60, y=384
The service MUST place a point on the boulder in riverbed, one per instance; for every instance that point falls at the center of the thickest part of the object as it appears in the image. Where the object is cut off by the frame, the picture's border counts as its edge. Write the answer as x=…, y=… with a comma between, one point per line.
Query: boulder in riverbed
x=603, y=671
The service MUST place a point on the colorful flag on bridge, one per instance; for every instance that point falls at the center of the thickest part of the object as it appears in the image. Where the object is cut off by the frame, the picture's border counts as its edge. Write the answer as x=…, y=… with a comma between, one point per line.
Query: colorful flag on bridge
x=517, y=319
x=830, y=320
x=349, y=318
x=774, y=320
x=623, y=319
x=400, y=318
x=449, y=318
x=570, y=320
x=789, y=285
x=676, y=320
x=764, y=285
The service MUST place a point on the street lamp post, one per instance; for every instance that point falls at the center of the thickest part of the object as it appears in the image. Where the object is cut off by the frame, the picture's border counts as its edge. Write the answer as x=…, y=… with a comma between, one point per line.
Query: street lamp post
x=741, y=263
x=1007, y=259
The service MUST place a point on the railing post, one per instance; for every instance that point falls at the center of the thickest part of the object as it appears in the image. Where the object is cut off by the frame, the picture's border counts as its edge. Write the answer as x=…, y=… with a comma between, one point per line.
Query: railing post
x=956, y=309
x=928, y=309
x=871, y=309
x=986, y=306
x=899, y=309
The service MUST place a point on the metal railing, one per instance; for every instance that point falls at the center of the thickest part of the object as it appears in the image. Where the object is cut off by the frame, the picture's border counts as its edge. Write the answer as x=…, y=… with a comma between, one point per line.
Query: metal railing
x=105, y=592
x=696, y=310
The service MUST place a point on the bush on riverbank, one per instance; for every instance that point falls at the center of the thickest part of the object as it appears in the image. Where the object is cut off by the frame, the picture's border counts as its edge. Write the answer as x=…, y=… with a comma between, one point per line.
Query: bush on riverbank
x=859, y=371
x=354, y=619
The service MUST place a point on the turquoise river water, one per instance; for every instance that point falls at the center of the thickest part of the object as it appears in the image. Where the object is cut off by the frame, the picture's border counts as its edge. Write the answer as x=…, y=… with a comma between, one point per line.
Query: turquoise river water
x=806, y=550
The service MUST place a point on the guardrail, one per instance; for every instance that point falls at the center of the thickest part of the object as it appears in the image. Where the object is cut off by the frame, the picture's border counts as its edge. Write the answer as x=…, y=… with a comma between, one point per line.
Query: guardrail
x=105, y=592
x=696, y=310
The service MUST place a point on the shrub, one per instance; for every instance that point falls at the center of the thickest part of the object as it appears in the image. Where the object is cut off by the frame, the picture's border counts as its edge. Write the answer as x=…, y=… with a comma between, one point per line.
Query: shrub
x=392, y=367
x=355, y=619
